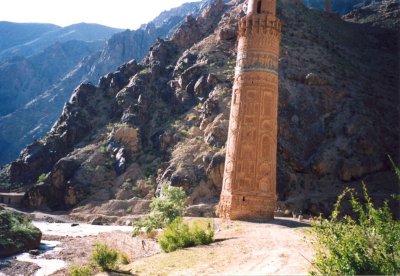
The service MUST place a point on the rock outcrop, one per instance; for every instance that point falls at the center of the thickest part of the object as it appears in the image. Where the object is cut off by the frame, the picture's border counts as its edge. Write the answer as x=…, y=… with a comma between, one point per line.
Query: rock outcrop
x=17, y=234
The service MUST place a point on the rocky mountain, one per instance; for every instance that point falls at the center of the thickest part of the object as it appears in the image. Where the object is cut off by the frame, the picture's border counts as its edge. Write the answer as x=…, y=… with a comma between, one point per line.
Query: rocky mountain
x=190, y=8
x=22, y=79
x=43, y=100
x=340, y=6
x=383, y=14
x=26, y=39
x=165, y=119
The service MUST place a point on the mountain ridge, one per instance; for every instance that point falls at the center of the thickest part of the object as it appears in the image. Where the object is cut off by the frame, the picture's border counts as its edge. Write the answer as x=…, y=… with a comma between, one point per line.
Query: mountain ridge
x=80, y=31
x=120, y=48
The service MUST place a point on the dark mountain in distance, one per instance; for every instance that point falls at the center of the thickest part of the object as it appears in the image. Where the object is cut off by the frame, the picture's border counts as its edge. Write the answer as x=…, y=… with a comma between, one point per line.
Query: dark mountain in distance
x=19, y=40
x=22, y=79
x=13, y=34
x=340, y=6
x=41, y=111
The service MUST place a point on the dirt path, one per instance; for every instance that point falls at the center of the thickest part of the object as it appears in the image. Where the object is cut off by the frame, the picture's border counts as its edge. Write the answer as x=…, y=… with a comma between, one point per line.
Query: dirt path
x=241, y=248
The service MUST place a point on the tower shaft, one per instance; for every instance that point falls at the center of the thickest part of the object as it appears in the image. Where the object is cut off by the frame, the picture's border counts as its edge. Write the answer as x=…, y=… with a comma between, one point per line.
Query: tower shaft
x=249, y=183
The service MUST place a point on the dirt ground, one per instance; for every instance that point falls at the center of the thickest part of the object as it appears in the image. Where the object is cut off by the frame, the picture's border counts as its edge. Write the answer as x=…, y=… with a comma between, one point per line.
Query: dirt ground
x=240, y=248
x=16, y=268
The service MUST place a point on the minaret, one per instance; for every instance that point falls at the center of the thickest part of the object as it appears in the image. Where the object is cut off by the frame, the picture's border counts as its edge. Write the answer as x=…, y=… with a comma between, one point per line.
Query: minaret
x=328, y=6
x=249, y=184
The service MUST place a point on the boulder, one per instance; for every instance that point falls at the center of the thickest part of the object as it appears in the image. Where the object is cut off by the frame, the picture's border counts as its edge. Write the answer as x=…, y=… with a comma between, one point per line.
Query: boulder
x=217, y=132
x=128, y=136
x=226, y=33
x=200, y=210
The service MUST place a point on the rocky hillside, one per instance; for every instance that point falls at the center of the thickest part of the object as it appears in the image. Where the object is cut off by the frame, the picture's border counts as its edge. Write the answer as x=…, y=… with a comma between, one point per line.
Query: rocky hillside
x=383, y=14
x=165, y=120
x=24, y=98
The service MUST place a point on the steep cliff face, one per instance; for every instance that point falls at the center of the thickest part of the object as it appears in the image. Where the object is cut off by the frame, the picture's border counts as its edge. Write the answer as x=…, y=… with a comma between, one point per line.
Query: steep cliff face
x=25, y=97
x=166, y=118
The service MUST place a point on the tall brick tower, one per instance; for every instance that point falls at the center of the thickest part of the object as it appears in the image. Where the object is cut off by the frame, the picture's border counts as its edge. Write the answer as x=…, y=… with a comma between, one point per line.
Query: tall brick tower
x=328, y=6
x=249, y=185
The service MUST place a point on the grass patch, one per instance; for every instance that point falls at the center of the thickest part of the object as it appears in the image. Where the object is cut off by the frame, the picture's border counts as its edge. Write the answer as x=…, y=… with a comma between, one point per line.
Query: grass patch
x=177, y=261
x=76, y=270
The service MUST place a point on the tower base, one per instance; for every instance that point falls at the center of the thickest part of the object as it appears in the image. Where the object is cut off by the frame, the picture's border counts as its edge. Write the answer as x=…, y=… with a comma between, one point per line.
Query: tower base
x=246, y=207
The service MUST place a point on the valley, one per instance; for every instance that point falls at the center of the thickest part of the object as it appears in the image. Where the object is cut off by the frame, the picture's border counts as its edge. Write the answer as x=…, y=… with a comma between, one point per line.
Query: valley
x=150, y=108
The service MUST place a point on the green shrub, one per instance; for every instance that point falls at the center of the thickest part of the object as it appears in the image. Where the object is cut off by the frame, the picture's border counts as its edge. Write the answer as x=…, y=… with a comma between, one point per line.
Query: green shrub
x=104, y=257
x=123, y=259
x=42, y=178
x=76, y=270
x=202, y=236
x=395, y=168
x=367, y=244
x=179, y=235
x=170, y=203
x=397, y=172
x=145, y=71
x=164, y=210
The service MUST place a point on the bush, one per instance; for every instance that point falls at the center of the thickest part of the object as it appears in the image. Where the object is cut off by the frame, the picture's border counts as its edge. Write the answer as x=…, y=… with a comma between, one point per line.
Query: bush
x=164, y=210
x=170, y=204
x=368, y=244
x=179, y=235
x=104, y=257
x=42, y=178
x=76, y=270
x=123, y=259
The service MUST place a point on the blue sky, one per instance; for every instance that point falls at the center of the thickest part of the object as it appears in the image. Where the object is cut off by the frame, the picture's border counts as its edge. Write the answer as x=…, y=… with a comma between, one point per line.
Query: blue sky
x=125, y=14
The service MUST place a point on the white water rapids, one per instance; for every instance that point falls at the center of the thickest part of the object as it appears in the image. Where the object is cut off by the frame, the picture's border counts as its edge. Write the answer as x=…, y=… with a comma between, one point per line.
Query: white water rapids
x=49, y=266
